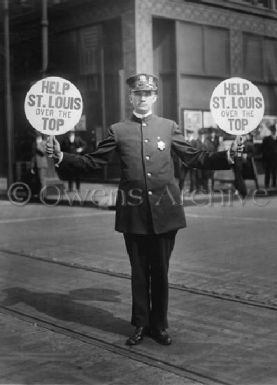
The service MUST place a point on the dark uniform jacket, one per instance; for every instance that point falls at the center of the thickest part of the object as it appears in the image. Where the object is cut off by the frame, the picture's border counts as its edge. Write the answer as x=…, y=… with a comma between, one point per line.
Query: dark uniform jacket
x=148, y=198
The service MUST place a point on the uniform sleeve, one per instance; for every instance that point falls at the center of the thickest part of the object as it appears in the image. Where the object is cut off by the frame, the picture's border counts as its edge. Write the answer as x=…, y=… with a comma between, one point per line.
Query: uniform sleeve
x=73, y=164
x=195, y=158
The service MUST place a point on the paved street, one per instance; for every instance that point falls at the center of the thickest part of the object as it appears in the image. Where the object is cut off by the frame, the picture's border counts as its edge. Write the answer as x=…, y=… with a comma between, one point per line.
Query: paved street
x=65, y=298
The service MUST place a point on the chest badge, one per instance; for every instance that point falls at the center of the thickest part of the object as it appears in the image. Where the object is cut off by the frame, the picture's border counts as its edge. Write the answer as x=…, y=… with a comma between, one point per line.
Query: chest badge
x=161, y=145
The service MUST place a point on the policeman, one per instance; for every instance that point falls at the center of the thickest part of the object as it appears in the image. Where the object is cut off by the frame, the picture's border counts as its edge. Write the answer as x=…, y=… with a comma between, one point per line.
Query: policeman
x=148, y=207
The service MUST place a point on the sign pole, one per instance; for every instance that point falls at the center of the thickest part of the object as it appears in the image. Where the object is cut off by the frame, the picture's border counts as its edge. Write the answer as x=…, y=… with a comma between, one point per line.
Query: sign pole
x=8, y=93
x=44, y=25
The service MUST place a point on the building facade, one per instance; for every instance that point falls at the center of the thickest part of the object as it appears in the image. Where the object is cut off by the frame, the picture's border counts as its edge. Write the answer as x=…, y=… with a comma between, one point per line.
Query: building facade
x=96, y=44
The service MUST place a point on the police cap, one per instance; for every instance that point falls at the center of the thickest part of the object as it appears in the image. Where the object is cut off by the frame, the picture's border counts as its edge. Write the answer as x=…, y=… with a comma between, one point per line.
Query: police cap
x=143, y=82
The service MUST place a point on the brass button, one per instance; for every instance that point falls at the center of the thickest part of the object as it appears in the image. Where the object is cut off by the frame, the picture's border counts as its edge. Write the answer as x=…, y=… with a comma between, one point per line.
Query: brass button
x=150, y=192
x=149, y=174
x=146, y=140
x=147, y=157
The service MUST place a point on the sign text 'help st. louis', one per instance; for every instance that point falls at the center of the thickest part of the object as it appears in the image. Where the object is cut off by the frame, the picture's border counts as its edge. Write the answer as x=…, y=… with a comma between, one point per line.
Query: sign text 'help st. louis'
x=53, y=106
x=237, y=106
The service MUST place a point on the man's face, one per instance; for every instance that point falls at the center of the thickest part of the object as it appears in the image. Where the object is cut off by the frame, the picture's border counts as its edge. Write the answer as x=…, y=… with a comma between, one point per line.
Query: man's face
x=143, y=101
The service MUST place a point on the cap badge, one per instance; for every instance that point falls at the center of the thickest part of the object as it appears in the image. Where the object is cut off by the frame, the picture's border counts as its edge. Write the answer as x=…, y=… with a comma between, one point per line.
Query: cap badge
x=161, y=145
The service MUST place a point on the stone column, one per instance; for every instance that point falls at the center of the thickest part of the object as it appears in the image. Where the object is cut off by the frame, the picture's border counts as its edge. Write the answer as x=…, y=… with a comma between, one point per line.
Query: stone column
x=236, y=52
x=144, y=41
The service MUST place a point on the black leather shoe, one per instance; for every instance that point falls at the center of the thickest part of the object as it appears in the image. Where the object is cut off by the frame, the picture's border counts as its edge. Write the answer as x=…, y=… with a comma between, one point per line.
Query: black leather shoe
x=137, y=337
x=161, y=336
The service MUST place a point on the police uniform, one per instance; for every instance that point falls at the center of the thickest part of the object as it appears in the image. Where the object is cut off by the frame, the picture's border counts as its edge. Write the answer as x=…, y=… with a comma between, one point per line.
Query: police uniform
x=148, y=207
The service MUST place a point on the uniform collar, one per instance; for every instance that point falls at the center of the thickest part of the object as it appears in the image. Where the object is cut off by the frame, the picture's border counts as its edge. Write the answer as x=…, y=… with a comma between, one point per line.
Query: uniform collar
x=142, y=116
x=138, y=117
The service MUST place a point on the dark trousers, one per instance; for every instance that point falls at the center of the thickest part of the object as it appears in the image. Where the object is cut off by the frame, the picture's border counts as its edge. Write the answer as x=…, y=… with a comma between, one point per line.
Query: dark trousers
x=70, y=184
x=184, y=171
x=149, y=257
x=270, y=171
x=202, y=178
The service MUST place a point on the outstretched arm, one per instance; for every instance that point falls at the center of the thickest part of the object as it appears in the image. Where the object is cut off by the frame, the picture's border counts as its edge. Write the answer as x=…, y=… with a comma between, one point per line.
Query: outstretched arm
x=194, y=158
x=71, y=164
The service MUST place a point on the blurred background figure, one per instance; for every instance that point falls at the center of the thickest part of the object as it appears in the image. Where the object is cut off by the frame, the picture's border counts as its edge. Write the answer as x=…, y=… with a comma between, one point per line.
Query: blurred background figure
x=249, y=145
x=232, y=178
x=269, y=154
x=184, y=171
x=191, y=171
x=221, y=144
x=212, y=139
x=39, y=161
x=249, y=169
x=202, y=176
x=211, y=143
x=73, y=144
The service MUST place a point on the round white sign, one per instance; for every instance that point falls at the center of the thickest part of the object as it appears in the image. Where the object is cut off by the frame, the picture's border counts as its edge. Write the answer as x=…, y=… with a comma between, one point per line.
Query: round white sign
x=237, y=106
x=53, y=106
